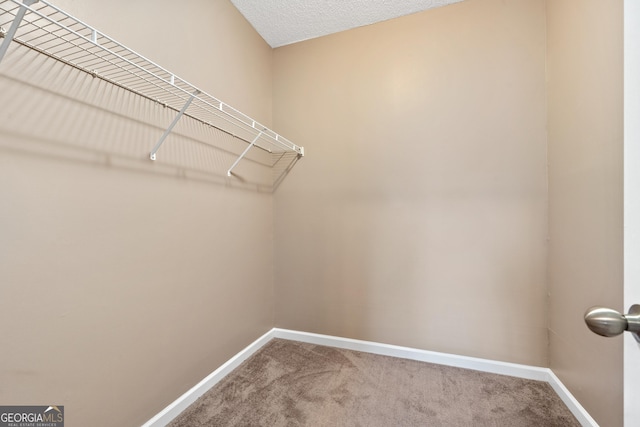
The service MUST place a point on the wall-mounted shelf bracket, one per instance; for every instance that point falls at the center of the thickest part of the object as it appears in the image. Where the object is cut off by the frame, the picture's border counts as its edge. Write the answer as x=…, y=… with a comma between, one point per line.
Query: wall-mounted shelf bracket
x=9, y=35
x=244, y=153
x=166, y=133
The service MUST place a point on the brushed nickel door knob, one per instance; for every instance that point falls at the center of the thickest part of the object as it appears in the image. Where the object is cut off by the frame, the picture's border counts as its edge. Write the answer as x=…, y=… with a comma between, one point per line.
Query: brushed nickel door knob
x=610, y=323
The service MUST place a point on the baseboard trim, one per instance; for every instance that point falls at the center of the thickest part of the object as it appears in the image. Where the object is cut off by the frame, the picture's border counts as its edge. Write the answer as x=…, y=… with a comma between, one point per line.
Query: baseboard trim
x=572, y=403
x=484, y=365
x=503, y=368
x=165, y=416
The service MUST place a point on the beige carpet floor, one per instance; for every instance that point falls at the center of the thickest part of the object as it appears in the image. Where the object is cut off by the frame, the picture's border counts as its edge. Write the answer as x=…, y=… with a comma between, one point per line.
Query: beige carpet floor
x=288, y=383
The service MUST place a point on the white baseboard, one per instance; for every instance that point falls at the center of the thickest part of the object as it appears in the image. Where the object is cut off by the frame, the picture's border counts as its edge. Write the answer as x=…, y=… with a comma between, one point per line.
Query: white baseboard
x=165, y=416
x=572, y=403
x=484, y=365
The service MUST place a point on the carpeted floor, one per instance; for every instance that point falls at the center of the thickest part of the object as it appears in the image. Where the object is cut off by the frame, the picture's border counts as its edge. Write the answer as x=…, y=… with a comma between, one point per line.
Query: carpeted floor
x=288, y=383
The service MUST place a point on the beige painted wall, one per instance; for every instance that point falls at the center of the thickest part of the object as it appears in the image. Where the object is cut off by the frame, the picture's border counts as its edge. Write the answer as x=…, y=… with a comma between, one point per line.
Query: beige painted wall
x=585, y=72
x=125, y=282
x=418, y=217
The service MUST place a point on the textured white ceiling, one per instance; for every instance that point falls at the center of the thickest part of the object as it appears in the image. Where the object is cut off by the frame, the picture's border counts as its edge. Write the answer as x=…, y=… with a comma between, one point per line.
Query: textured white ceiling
x=282, y=22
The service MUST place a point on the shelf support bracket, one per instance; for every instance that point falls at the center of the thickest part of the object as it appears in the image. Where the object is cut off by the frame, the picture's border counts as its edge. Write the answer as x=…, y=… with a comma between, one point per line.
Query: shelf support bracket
x=166, y=133
x=244, y=153
x=9, y=35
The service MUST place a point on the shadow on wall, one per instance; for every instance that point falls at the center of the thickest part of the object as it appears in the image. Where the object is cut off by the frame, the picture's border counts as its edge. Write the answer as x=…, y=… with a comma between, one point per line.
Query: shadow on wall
x=54, y=110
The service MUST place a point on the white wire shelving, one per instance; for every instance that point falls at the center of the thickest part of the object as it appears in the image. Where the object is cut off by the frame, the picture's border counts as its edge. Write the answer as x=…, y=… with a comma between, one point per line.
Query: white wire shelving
x=41, y=26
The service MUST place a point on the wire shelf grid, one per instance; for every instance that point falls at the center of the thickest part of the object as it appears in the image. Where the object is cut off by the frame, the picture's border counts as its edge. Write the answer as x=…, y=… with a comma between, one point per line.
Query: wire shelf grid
x=53, y=32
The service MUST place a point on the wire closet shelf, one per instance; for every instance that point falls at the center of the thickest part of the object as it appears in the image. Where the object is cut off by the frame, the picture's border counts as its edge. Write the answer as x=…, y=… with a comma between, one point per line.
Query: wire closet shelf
x=41, y=26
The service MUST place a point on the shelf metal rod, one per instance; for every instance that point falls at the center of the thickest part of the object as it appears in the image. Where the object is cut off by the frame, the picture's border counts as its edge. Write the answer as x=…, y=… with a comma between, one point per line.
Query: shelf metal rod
x=246, y=150
x=8, y=37
x=166, y=133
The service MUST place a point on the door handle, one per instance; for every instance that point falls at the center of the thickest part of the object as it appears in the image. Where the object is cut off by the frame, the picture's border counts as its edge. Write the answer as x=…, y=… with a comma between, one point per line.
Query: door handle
x=609, y=323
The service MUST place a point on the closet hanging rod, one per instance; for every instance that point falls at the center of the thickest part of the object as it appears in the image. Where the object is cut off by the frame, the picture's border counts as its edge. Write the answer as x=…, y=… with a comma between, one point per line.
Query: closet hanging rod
x=53, y=32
